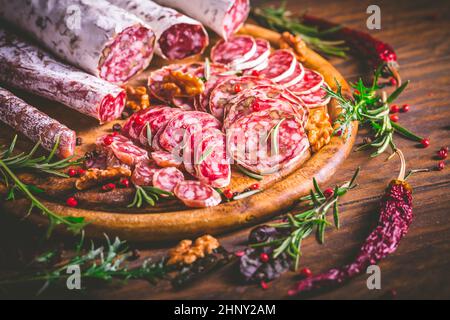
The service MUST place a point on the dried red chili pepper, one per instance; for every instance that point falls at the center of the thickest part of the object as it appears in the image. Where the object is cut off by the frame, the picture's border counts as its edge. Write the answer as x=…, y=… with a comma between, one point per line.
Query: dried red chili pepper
x=396, y=216
x=377, y=52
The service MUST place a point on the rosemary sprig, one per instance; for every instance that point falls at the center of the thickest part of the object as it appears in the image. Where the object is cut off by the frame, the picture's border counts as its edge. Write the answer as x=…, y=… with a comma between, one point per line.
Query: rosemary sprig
x=280, y=19
x=22, y=161
x=146, y=195
x=98, y=263
x=249, y=173
x=370, y=108
x=300, y=225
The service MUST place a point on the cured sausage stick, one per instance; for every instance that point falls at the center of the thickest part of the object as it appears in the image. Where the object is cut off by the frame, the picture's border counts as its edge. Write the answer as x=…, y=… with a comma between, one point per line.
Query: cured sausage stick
x=36, y=125
x=101, y=39
x=29, y=68
x=225, y=17
x=177, y=36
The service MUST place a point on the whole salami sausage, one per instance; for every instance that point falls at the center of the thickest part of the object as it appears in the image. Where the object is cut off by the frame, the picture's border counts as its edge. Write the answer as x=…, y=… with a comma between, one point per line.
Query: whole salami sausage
x=225, y=17
x=177, y=36
x=101, y=39
x=35, y=125
x=29, y=68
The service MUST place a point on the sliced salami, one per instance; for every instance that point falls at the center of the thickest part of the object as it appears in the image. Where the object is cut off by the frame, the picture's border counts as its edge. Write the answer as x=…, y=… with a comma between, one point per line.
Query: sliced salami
x=186, y=122
x=114, y=47
x=225, y=17
x=36, y=125
x=190, y=143
x=212, y=164
x=311, y=81
x=122, y=148
x=197, y=194
x=177, y=36
x=267, y=141
x=167, y=179
x=166, y=159
x=295, y=78
x=261, y=55
x=143, y=173
x=224, y=92
x=281, y=65
x=316, y=98
x=29, y=68
x=236, y=50
x=211, y=84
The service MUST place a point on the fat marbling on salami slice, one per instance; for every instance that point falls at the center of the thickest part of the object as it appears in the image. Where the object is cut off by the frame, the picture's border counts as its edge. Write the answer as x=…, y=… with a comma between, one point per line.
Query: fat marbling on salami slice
x=236, y=50
x=177, y=36
x=184, y=123
x=225, y=17
x=311, y=81
x=316, y=98
x=36, y=125
x=143, y=173
x=225, y=91
x=167, y=179
x=267, y=141
x=197, y=194
x=281, y=65
x=101, y=39
x=26, y=67
x=211, y=162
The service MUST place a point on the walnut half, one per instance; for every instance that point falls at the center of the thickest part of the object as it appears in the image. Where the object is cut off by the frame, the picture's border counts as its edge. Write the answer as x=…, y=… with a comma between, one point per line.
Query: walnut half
x=93, y=177
x=181, y=84
x=186, y=252
x=319, y=128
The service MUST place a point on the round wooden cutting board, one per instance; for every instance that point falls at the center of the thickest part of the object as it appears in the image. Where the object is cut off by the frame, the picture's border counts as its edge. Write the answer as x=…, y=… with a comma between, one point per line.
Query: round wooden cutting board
x=173, y=221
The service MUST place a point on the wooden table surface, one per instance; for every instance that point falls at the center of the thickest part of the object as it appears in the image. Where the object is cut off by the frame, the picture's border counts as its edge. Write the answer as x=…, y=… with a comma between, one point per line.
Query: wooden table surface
x=419, y=30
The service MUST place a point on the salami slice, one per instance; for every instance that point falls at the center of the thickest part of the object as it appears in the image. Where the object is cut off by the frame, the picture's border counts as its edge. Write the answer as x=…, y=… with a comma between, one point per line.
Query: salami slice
x=311, y=81
x=177, y=36
x=122, y=148
x=166, y=159
x=190, y=143
x=267, y=141
x=143, y=173
x=204, y=98
x=101, y=39
x=225, y=17
x=212, y=164
x=295, y=78
x=281, y=65
x=261, y=55
x=235, y=50
x=186, y=122
x=197, y=194
x=36, y=125
x=167, y=179
x=225, y=91
x=316, y=98
x=29, y=68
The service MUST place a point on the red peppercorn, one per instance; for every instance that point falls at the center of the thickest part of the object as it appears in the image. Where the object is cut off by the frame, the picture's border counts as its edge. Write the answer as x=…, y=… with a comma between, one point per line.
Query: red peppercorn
x=115, y=133
x=338, y=133
x=72, y=202
x=405, y=107
x=394, y=108
x=139, y=121
x=442, y=154
x=81, y=172
x=108, y=140
x=125, y=183
x=441, y=165
x=306, y=272
x=108, y=187
x=228, y=193
x=237, y=88
x=256, y=106
x=357, y=92
x=328, y=193
x=425, y=142
x=264, y=257
x=264, y=285
x=393, y=81
x=254, y=186
x=445, y=148
x=394, y=117
x=72, y=172
x=255, y=73
x=239, y=253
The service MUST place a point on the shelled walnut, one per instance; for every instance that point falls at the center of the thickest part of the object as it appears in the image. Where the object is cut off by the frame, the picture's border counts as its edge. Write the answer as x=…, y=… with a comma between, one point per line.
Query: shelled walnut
x=186, y=252
x=319, y=128
x=180, y=84
x=137, y=98
x=94, y=177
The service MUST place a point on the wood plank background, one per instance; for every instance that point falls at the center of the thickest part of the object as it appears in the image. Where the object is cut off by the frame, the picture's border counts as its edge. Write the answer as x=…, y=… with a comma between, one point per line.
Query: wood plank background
x=420, y=32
